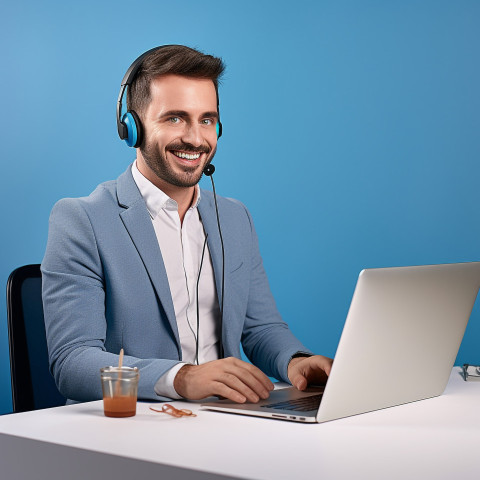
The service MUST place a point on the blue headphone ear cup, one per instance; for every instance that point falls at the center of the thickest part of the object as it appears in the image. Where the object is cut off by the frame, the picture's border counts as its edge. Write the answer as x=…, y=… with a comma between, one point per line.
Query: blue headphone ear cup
x=134, y=129
x=138, y=123
x=219, y=129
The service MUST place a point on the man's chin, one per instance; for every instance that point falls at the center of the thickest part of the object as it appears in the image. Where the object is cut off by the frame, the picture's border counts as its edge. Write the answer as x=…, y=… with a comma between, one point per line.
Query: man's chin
x=188, y=178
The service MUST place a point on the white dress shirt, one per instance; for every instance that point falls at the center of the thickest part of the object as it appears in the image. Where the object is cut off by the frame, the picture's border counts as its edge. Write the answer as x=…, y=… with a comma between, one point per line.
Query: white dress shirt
x=181, y=246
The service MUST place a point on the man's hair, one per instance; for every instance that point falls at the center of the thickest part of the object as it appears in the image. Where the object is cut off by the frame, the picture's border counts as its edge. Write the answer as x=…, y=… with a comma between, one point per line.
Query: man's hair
x=171, y=60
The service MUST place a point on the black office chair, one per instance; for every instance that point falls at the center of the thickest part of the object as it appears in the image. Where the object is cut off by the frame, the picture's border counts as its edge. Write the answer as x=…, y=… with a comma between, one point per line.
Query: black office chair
x=33, y=386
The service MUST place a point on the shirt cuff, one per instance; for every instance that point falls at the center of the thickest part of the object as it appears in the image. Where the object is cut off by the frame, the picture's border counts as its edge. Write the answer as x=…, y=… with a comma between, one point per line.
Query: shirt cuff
x=164, y=386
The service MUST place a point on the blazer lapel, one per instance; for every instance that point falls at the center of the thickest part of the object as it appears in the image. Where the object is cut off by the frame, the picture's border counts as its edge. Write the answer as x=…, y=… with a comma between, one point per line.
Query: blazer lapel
x=138, y=223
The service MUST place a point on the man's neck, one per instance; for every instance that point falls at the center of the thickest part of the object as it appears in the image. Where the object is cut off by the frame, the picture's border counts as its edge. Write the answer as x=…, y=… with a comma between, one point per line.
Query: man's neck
x=182, y=195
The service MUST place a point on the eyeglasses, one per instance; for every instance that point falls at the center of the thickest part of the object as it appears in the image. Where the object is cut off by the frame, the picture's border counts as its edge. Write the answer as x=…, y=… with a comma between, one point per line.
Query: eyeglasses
x=174, y=412
x=471, y=372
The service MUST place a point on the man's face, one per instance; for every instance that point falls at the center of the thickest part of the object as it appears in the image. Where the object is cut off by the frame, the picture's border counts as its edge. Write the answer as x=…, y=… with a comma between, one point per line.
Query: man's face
x=180, y=129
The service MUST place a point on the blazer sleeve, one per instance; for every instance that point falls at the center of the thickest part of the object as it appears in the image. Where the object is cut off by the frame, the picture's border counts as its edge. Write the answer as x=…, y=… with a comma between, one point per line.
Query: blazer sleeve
x=73, y=291
x=266, y=339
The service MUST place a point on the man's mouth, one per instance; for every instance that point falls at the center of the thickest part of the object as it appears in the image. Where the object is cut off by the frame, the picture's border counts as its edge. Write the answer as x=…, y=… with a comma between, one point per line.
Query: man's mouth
x=186, y=156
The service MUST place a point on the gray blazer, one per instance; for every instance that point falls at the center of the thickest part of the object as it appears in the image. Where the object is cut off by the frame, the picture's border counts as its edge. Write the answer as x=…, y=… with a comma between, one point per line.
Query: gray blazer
x=105, y=286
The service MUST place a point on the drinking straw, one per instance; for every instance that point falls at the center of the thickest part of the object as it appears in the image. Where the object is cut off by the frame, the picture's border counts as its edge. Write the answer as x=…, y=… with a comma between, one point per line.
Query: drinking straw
x=120, y=363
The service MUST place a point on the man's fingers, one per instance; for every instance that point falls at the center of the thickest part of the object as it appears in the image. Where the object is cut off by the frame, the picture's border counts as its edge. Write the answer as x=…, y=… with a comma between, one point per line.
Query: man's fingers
x=256, y=372
x=223, y=391
x=316, y=369
x=250, y=380
x=318, y=364
x=299, y=381
x=309, y=370
x=241, y=384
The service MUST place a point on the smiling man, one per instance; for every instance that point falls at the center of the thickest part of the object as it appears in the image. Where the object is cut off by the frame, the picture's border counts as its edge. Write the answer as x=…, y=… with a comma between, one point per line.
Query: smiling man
x=138, y=264
x=178, y=143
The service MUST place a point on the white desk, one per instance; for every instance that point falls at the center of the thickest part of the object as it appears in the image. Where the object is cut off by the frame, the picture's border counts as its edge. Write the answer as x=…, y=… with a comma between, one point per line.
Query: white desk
x=433, y=439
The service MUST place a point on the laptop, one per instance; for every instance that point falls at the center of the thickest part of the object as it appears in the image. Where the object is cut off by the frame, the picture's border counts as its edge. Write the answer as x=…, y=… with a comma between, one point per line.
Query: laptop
x=398, y=345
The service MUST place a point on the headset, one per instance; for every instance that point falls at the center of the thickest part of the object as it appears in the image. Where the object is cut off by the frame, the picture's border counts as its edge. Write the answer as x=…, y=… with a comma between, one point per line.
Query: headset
x=128, y=125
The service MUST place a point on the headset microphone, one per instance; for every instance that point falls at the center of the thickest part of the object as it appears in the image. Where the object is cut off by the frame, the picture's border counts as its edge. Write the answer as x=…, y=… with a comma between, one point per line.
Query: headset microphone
x=208, y=170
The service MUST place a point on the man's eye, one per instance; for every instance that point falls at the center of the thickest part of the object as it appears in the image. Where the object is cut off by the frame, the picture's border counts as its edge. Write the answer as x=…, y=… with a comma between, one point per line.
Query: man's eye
x=207, y=121
x=174, y=120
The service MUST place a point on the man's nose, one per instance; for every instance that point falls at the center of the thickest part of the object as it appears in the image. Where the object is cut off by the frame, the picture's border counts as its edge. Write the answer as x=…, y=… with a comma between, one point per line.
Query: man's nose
x=193, y=135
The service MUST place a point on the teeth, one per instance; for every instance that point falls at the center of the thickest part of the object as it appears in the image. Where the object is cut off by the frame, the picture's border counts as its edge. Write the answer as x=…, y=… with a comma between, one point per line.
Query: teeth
x=187, y=156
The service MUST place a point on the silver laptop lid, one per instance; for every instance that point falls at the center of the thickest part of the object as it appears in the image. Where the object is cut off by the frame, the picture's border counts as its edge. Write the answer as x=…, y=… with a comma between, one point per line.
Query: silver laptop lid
x=401, y=337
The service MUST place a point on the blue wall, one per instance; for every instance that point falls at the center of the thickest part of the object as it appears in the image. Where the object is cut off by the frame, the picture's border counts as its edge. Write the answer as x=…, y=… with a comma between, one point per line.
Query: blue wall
x=351, y=133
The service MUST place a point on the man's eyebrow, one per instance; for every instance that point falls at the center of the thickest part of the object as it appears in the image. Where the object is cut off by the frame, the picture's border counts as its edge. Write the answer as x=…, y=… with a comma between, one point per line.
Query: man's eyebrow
x=210, y=115
x=183, y=113
x=174, y=113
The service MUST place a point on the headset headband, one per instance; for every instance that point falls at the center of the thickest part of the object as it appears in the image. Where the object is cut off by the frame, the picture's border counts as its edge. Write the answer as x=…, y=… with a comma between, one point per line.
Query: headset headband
x=127, y=81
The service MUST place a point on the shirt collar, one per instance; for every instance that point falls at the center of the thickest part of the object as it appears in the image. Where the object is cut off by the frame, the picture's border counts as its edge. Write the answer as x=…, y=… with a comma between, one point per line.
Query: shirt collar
x=155, y=199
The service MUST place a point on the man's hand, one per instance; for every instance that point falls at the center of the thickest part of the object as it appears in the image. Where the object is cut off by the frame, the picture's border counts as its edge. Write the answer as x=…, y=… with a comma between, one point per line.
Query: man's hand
x=231, y=378
x=307, y=370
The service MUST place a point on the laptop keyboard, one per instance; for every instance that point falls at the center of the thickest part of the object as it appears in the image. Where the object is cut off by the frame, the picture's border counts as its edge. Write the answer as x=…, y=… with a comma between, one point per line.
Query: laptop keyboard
x=304, y=404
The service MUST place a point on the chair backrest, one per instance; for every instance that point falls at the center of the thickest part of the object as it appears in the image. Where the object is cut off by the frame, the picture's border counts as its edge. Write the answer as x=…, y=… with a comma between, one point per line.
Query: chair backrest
x=33, y=386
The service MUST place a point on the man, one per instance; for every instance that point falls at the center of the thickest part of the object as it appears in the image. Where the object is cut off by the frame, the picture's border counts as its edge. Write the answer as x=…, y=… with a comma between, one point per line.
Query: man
x=123, y=266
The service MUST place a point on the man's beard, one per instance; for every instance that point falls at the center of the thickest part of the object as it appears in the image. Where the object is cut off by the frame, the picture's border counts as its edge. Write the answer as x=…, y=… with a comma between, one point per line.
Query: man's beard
x=157, y=162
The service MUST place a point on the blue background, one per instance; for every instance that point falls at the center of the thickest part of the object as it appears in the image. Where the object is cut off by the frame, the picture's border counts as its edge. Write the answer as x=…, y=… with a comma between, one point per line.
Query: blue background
x=351, y=131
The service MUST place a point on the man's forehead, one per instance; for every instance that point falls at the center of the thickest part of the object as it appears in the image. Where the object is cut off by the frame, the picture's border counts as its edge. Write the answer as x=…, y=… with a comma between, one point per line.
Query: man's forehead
x=176, y=90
